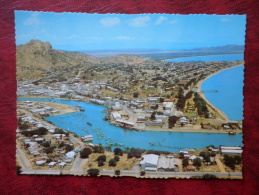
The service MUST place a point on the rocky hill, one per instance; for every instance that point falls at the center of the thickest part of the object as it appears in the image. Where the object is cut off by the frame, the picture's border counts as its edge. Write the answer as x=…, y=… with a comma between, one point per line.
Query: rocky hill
x=37, y=54
x=41, y=55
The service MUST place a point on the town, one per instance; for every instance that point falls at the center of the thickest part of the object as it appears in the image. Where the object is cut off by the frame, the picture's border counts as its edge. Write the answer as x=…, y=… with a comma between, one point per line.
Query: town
x=146, y=96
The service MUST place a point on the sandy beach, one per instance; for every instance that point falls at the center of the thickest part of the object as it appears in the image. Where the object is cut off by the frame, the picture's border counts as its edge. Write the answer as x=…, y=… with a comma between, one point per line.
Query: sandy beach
x=219, y=114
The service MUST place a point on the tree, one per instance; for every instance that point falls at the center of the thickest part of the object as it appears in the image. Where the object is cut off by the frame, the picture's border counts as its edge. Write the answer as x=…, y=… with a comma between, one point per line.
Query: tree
x=48, y=150
x=153, y=116
x=117, y=172
x=142, y=173
x=172, y=120
x=61, y=145
x=112, y=162
x=117, y=158
x=46, y=144
x=135, y=94
x=118, y=151
x=229, y=161
x=42, y=130
x=181, y=155
x=209, y=176
x=238, y=159
x=93, y=172
x=85, y=153
x=102, y=157
x=197, y=162
x=185, y=162
x=98, y=149
x=18, y=169
x=100, y=163
x=69, y=148
x=59, y=131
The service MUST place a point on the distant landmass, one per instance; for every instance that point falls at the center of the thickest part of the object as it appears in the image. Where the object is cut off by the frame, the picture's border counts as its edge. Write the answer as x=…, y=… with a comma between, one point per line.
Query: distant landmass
x=168, y=54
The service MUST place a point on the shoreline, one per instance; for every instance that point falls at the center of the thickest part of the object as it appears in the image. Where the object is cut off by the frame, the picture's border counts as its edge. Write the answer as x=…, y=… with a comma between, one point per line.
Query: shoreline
x=213, y=107
x=204, y=56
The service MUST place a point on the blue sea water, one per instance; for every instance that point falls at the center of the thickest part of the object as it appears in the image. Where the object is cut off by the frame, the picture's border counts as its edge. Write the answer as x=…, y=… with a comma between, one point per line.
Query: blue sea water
x=230, y=57
x=164, y=141
x=229, y=98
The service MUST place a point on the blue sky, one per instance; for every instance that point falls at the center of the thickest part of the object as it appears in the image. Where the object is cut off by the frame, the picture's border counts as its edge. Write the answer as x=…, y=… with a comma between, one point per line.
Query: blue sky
x=80, y=31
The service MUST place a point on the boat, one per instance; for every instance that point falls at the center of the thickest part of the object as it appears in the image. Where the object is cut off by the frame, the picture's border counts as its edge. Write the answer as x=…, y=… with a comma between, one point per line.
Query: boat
x=90, y=124
x=81, y=109
x=231, y=133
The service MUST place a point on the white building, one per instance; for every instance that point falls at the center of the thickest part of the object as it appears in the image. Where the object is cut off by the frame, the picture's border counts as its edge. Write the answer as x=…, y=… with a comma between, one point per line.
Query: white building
x=149, y=162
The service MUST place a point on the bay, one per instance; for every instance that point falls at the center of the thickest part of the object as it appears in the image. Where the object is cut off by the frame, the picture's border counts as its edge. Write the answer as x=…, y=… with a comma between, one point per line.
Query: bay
x=229, y=98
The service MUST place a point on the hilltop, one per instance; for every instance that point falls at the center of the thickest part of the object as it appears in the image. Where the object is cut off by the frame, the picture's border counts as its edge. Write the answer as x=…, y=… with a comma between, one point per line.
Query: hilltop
x=40, y=55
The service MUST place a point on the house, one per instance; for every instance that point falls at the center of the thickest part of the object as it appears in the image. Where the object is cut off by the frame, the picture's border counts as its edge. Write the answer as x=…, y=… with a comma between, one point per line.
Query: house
x=194, y=156
x=190, y=168
x=162, y=117
x=167, y=112
x=153, y=100
x=40, y=162
x=52, y=164
x=157, y=122
x=168, y=105
x=70, y=155
x=62, y=165
x=149, y=162
x=116, y=115
x=166, y=164
x=141, y=119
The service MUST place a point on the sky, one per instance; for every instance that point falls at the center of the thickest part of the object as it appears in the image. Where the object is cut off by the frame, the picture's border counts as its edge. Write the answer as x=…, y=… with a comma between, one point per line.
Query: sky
x=81, y=31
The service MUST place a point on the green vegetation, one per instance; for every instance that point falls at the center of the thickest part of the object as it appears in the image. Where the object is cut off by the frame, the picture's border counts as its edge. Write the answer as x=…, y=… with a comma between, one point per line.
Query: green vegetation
x=69, y=148
x=117, y=158
x=112, y=162
x=209, y=176
x=181, y=99
x=39, y=131
x=85, y=153
x=171, y=121
x=98, y=149
x=93, y=172
x=135, y=94
x=201, y=105
x=18, y=169
x=142, y=173
x=232, y=161
x=118, y=151
x=197, y=162
x=186, y=86
x=117, y=172
x=185, y=162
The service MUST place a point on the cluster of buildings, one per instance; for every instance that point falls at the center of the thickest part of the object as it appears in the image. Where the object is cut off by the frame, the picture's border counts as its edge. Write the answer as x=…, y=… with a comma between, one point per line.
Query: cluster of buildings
x=34, y=144
x=153, y=162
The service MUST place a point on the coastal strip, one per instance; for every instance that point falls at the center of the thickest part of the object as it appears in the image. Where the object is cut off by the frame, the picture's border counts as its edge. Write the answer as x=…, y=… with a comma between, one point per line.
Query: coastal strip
x=219, y=113
x=63, y=108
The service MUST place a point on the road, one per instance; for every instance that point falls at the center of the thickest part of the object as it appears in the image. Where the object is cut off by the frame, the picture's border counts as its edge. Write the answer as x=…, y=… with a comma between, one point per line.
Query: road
x=134, y=173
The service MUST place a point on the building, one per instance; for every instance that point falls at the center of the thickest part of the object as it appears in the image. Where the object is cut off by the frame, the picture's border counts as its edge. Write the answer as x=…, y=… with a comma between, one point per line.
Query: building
x=166, y=164
x=149, y=162
x=231, y=150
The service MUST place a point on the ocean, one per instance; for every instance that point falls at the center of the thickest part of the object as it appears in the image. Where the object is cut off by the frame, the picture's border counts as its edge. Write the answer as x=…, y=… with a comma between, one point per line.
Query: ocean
x=229, y=84
x=229, y=57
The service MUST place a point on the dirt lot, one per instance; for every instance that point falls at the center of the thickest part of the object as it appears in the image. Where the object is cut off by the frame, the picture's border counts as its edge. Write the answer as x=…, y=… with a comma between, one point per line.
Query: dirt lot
x=122, y=164
x=209, y=168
